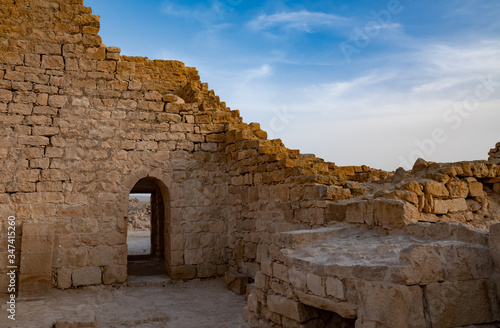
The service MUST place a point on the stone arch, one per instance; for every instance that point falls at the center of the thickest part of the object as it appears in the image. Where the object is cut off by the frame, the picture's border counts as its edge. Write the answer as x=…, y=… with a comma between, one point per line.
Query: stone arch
x=159, y=185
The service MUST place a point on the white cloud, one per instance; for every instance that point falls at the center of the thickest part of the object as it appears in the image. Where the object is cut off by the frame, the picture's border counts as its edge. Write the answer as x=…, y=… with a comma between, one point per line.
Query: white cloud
x=382, y=116
x=259, y=72
x=299, y=20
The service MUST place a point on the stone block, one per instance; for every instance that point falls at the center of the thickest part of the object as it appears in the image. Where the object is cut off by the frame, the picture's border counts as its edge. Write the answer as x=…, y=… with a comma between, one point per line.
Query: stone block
x=336, y=212
x=266, y=266
x=315, y=285
x=360, y=212
x=64, y=278
x=290, y=308
x=35, y=276
x=261, y=281
x=102, y=256
x=207, y=270
x=449, y=206
x=280, y=271
x=424, y=267
x=86, y=276
x=183, y=272
x=476, y=189
x=391, y=305
x=436, y=189
x=394, y=213
x=114, y=274
x=253, y=303
x=335, y=288
x=52, y=62
x=454, y=304
x=344, y=309
x=297, y=278
x=458, y=188
x=494, y=242
x=466, y=262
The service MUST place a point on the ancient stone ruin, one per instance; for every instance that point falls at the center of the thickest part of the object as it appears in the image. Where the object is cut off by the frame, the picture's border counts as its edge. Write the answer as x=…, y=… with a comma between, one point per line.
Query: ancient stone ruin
x=495, y=154
x=82, y=127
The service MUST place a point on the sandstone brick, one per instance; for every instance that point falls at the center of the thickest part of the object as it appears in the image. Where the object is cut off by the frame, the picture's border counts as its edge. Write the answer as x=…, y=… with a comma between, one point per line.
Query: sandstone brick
x=280, y=271
x=183, y=272
x=14, y=76
x=57, y=101
x=207, y=270
x=236, y=282
x=297, y=278
x=101, y=256
x=290, y=309
x=261, y=281
x=436, y=189
x=96, y=53
x=34, y=141
x=5, y=95
x=53, y=62
x=391, y=305
x=54, y=152
x=394, y=213
x=253, y=303
x=64, y=278
x=267, y=267
x=335, y=288
x=476, y=189
x=46, y=131
x=461, y=303
x=86, y=276
x=48, y=48
x=344, y=309
x=24, y=109
x=360, y=212
x=35, y=278
x=458, y=188
x=494, y=242
x=316, y=285
x=450, y=206
x=114, y=274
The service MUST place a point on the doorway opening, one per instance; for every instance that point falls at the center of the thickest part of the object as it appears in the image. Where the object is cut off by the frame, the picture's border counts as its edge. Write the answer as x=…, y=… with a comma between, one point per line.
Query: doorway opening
x=139, y=225
x=146, y=228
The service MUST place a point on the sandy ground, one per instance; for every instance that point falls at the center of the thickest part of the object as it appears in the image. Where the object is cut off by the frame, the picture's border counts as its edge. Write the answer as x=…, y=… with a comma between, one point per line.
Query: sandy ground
x=193, y=304
x=138, y=242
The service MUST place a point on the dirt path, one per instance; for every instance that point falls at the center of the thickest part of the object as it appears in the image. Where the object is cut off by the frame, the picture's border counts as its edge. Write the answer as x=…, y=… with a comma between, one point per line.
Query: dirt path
x=193, y=304
x=139, y=242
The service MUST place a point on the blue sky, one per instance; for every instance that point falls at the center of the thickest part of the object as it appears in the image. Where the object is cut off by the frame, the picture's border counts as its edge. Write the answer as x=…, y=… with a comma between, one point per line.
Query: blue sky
x=379, y=83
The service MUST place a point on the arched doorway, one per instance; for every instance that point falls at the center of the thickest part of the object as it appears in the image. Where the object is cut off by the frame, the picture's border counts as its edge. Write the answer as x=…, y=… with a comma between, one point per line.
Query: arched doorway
x=156, y=262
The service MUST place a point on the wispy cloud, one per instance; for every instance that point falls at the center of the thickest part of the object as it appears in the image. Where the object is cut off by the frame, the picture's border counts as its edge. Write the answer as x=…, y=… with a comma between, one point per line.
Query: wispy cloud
x=259, y=72
x=206, y=13
x=297, y=20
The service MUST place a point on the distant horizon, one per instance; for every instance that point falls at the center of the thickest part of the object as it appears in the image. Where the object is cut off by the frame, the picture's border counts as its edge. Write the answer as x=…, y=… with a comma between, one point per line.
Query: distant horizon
x=377, y=83
x=144, y=198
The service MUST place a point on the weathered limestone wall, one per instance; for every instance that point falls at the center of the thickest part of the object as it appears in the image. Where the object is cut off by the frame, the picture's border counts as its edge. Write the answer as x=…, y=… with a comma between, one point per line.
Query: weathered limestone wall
x=80, y=125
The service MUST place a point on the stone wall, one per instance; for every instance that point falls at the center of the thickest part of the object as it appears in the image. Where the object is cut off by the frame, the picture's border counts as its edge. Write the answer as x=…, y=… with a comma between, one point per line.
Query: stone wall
x=428, y=275
x=82, y=126
x=495, y=154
